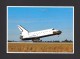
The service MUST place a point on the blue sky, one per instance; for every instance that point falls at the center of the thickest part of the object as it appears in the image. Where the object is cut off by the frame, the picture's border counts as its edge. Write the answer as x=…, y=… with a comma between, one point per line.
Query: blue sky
x=40, y=18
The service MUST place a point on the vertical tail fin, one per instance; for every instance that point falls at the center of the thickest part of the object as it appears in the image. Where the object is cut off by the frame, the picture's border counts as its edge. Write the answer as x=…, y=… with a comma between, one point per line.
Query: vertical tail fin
x=22, y=29
x=24, y=32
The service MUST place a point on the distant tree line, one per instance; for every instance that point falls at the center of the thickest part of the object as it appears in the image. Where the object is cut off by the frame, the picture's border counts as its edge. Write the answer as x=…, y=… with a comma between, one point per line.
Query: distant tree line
x=43, y=41
x=59, y=41
x=11, y=41
x=67, y=40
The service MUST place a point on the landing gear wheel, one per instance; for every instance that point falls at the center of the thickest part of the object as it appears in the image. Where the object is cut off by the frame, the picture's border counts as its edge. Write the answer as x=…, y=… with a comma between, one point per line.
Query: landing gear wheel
x=36, y=40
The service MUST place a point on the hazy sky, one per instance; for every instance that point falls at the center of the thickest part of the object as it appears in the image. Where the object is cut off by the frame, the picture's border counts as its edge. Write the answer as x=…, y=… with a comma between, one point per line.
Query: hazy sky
x=40, y=18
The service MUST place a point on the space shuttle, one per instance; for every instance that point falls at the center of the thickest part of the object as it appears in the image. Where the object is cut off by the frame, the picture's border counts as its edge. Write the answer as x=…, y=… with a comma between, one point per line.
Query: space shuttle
x=36, y=35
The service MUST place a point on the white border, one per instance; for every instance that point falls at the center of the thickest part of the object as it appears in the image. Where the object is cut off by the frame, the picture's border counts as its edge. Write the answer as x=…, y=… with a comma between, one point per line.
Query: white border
x=43, y=52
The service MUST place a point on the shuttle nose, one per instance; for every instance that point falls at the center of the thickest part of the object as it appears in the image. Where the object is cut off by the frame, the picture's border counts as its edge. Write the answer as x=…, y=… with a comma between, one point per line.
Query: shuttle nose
x=59, y=32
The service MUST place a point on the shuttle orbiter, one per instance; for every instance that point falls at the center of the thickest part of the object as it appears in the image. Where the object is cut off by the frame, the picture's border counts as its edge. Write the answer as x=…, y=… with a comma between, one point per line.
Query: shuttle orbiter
x=35, y=36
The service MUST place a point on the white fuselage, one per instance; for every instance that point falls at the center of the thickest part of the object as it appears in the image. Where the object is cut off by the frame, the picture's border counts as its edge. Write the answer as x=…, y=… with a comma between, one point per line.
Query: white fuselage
x=37, y=34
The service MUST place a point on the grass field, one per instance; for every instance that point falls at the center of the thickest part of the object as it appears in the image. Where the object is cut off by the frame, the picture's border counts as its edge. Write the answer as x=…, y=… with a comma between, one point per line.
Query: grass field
x=40, y=47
